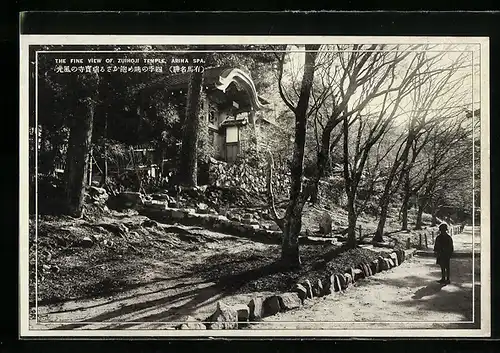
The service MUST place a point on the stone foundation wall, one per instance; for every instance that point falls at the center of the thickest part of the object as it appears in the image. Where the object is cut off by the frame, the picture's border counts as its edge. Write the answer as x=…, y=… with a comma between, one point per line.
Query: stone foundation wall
x=254, y=179
x=249, y=177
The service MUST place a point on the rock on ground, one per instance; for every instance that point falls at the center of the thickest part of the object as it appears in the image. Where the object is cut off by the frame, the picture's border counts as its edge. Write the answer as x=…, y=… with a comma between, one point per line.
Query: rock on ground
x=256, y=309
x=271, y=305
x=289, y=301
x=224, y=317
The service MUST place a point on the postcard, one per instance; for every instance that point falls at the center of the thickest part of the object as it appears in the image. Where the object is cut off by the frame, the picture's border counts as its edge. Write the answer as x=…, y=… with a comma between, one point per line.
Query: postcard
x=254, y=186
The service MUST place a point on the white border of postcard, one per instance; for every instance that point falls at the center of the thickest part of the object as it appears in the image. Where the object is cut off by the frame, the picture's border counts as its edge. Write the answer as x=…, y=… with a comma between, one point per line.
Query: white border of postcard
x=27, y=40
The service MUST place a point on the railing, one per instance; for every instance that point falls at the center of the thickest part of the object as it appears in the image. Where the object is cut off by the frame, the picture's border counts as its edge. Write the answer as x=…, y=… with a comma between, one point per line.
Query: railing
x=424, y=241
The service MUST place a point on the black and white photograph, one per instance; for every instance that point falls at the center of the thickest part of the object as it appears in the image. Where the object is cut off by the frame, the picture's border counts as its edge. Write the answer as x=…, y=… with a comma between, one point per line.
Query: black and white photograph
x=254, y=186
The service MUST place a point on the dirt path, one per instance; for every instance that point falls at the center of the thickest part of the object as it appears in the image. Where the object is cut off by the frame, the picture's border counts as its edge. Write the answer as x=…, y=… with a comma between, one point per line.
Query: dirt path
x=406, y=293
x=407, y=296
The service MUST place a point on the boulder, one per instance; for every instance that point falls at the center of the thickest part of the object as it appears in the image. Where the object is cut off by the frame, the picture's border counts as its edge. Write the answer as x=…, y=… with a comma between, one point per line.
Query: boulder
x=173, y=204
x=362, y=267
x=253, y=227
x=271, y=305
x=156, y=205
x=368, y=269
x=274, y=227
x=224, y=317
x=301, y=291
x=348, y=278
x=289, y=301
x=352, y=273
x=191, y=324
x=328, y=286
x=202, y=208
x=337, y=285
x=358, y=274
x=86, y=242
x=384, y=265
x=243, y=312
x=325, y=223
x=149, y=223
x=401, y=255
x=394, y=258
x=374, y=266
x=317, y=289
x=381, y=262
x=97, y=193
x=130, y=199
x=256, y=309
x=247, y=218
x=308, y=286
x=161, y=197
x=342, y=280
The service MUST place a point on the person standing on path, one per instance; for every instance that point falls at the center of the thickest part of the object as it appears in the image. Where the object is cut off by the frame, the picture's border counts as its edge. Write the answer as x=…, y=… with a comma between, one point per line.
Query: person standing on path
x=443, y=247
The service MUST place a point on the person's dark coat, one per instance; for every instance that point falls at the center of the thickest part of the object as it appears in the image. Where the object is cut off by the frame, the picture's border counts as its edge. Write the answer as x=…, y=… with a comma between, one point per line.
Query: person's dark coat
x=443, y=247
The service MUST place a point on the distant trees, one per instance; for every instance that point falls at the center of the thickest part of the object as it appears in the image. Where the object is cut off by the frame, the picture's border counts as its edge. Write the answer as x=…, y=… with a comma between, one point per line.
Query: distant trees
x=434, y=88
x=367, y=96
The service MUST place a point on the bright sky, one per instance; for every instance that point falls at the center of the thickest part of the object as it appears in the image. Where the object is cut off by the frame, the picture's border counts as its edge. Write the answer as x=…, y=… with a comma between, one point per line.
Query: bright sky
x=456, y=96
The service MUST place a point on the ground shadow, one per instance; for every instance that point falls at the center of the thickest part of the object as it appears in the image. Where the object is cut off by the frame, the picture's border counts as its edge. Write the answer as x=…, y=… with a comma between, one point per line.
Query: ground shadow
x=196, y=297
x=428, y=290
x=458, y=300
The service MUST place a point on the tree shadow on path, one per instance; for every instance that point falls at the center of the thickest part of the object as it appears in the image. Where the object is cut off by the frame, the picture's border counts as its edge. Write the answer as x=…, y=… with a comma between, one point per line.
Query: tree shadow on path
x=428, y=290
x=166, y=308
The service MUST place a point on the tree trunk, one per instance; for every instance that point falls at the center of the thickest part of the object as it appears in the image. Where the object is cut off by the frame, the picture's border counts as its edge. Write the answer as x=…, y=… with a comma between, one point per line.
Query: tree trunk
x=89, y=170
x=290, y=256
x=189, y=149
x=385, y=199
x=352, y=218
x=322, y=160
x=350, y=188
x=315, y=193
x=406, y=201
x=434, y=218
x=420, y=212
x=384, y=208
x=77, y=157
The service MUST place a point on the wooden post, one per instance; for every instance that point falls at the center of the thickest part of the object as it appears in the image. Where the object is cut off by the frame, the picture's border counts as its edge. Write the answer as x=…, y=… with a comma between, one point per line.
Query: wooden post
x=420, y=240
x=89, y=170
x=425, y=238
x=408, y=244
x=432, y=234
x=105, y=148
x=360, y=232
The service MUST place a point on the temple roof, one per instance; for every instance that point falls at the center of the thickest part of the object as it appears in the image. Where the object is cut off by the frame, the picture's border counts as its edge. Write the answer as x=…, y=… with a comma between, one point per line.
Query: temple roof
x=222, y=79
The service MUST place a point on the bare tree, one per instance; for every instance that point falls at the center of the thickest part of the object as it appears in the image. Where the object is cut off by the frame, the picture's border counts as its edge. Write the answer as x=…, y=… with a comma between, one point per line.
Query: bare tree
x=431, y=84
x=349, y=79
x=291, y=222
x=447, y=162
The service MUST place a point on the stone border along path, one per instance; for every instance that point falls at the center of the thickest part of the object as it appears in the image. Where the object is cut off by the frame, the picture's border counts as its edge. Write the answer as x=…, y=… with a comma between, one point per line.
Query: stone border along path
x=160, y=212
x=238, y=316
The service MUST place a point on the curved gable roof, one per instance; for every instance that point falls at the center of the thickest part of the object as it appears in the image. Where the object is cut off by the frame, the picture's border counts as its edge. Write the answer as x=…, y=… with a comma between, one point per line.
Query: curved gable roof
x=238, y=76
x=216, y=77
